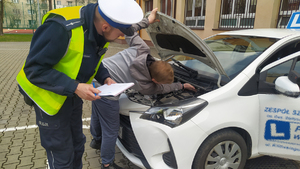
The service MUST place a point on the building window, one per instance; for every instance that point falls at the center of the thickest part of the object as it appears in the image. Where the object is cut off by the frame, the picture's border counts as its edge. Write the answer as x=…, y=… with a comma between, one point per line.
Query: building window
x=17, y=22
x=287, y=7
x=69, y=3
x=195, y=13
x=237, y=14
x=30, y=1
x=16, y=11
x=15, y=1
x=58, y=3
x=29, y=11
x=31, y=23
x=167, y=7
x=148, y=5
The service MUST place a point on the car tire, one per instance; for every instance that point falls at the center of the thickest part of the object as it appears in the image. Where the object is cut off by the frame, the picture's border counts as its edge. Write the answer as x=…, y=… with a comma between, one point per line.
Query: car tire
x=225, y=149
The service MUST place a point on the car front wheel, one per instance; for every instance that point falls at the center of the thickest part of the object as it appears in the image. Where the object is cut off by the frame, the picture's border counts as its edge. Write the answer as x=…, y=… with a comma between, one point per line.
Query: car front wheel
x=225, y=149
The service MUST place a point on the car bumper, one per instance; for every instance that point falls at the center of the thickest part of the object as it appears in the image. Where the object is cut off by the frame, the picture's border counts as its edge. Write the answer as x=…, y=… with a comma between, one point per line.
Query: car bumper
x=148, y=144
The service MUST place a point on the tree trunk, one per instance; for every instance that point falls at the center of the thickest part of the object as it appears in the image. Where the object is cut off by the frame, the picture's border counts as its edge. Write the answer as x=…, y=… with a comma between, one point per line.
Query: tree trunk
x=1, y=16
x=50, y=5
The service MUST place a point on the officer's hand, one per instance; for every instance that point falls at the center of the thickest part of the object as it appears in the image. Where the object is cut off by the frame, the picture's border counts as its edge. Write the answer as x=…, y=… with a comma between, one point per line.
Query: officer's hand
x=87, y=92
x=109, y=81
x=188, y=86
x=152, y=16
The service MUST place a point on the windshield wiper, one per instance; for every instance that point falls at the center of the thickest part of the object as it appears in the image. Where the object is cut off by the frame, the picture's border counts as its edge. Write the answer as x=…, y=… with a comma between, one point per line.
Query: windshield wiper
x=192, y=73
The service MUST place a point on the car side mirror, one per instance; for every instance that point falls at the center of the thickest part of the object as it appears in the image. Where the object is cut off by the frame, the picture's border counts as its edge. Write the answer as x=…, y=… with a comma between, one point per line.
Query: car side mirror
x=286, y=87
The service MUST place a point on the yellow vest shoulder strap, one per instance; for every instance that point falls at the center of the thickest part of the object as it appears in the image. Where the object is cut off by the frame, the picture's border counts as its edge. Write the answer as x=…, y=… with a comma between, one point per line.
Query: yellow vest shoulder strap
x=70, y=21
x=68, y=13
x=69, y=24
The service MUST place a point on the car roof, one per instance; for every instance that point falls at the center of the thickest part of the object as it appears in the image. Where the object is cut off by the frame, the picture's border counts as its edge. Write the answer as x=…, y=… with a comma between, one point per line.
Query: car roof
x=267, y=32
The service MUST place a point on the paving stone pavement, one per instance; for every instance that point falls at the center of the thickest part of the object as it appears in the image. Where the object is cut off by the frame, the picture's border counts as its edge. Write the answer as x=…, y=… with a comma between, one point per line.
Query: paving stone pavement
x=19, y=136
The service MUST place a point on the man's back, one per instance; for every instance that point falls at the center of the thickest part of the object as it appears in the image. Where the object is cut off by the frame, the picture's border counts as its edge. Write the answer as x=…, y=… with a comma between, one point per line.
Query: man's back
x=118, y=66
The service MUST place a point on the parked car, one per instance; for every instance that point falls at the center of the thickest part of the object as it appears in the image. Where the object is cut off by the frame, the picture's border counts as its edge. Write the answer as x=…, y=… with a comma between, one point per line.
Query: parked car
x=246, y=104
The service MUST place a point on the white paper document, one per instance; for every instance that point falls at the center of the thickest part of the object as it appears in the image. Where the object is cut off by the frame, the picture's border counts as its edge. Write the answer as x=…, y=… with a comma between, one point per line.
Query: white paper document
x=113, y=89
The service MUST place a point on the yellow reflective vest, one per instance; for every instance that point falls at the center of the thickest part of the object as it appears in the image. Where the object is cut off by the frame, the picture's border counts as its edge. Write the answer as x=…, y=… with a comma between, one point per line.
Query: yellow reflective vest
x=46, y=100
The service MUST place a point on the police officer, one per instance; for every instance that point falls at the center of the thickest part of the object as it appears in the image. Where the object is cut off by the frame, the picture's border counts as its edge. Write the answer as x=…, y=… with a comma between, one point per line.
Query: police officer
x=65, y=55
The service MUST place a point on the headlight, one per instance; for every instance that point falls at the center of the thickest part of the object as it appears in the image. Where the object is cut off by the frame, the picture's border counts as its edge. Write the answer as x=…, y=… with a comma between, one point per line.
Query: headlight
x=175, y=115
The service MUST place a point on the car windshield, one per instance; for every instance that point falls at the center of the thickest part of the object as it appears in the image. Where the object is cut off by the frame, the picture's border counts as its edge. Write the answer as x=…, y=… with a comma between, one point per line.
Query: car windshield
x=234, y=53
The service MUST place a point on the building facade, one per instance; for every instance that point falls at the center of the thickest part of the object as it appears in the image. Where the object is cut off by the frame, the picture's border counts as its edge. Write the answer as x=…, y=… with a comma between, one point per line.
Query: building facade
x=208, y=17
x=204, y=17
x=28, y=14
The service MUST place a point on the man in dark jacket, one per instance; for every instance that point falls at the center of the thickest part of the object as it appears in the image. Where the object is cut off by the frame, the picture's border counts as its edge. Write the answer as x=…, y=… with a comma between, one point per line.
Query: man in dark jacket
x=65, y=55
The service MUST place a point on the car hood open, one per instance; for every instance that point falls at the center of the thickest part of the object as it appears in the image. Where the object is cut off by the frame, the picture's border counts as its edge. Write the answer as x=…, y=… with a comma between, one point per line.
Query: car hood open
x=170, y=37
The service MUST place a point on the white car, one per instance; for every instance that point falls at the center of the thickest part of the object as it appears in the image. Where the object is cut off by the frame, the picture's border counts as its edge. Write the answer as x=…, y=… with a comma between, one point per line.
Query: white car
x=246, y=104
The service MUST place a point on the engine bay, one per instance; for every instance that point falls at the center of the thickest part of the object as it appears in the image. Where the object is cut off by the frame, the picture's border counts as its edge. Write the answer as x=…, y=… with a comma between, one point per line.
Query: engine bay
x=164, y=99
x=182, y=74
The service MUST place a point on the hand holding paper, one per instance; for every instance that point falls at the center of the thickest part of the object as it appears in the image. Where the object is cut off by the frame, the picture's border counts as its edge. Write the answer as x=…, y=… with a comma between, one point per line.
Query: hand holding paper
x=113, y=89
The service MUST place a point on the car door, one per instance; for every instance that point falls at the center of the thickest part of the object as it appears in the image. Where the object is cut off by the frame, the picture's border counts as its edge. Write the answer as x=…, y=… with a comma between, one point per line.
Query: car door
x=279, y=130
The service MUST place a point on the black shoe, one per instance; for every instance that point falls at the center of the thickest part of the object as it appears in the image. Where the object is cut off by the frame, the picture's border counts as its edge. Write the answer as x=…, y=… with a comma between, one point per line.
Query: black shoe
x=95, y=144
x=111, y=166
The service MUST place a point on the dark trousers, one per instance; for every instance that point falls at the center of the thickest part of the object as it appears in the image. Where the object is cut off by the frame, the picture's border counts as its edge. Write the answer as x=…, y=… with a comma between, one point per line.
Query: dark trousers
x=62, y=136
x=105, y=123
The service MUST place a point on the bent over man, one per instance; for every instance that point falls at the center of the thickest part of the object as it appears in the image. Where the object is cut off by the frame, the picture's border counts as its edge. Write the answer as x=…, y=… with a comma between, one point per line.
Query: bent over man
x=134, y=64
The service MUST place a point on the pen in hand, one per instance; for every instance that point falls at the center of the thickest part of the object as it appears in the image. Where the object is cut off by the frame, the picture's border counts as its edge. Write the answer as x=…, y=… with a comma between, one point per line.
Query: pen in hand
x=94, y=87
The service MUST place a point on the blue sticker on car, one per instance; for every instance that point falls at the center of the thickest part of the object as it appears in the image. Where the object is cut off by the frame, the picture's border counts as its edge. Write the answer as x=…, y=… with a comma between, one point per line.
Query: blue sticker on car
x=279, y=130
x=294, y=22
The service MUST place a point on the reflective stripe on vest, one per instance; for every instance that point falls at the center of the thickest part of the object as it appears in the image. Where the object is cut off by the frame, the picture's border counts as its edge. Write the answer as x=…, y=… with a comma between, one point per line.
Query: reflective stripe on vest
x=48, y=101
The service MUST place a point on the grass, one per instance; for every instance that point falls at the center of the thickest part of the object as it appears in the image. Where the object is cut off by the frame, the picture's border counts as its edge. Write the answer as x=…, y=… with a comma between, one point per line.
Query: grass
x=16, y=37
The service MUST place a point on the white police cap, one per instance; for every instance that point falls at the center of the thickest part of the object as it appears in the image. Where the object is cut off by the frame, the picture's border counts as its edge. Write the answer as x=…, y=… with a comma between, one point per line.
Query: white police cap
x=120, y=14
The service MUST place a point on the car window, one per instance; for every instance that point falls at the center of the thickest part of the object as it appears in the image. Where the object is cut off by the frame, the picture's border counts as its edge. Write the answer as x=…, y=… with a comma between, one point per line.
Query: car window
x=279, y=70
x=282, y=52
x=268, y=77
x=297, y=66
x=195, y=64
x=236, y=52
